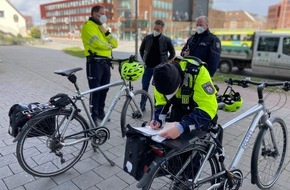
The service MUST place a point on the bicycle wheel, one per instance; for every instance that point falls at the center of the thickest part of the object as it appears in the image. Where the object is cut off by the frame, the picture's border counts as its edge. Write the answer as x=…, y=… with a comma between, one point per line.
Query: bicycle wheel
x=130, y=113
x=173, y=174
x=267, y=161
x=40, y=150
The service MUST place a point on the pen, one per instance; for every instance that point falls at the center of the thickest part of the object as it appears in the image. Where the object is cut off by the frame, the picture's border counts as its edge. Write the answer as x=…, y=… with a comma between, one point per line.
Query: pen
x=154, y=119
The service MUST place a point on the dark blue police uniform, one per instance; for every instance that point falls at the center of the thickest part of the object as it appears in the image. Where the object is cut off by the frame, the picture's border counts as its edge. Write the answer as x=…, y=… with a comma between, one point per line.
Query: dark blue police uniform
x=207, y=47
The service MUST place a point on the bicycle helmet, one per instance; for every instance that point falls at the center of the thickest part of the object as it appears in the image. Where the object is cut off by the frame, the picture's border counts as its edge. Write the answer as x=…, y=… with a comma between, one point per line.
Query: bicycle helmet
x=233, y=100
x=131, y=70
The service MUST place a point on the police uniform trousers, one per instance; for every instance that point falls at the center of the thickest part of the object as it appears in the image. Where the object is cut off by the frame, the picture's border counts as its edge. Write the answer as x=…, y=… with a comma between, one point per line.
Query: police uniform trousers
x=98, y=74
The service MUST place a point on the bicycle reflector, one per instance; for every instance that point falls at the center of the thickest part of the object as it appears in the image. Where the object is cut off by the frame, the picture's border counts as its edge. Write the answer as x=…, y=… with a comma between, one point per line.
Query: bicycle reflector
x=233, y=100
x=132, y=70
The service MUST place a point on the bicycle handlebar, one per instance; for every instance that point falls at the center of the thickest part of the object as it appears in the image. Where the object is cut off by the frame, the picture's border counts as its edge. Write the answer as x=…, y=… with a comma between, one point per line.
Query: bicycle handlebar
x=131, y=59
x=244, y=83
x=261, y=85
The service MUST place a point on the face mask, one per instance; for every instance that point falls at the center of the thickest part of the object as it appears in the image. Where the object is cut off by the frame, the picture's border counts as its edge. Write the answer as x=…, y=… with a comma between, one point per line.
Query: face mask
x=155, y=33
x=103, y=19
x=169, y=96
x=200, y=29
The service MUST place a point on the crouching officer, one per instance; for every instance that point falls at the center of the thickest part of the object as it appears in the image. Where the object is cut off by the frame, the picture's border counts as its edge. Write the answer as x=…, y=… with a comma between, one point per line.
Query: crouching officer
x=98, y=44
x=185, y=87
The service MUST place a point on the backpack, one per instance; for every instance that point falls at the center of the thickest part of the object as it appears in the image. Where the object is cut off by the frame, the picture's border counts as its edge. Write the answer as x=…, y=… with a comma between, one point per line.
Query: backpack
x=19, y=114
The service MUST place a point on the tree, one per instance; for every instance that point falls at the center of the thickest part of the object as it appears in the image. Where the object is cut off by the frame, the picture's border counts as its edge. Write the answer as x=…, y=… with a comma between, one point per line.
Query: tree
x=35, y=33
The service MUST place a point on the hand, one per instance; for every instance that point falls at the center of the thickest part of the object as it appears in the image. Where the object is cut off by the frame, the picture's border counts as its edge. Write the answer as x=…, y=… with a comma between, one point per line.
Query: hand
x=155, y=124
x=170, y=130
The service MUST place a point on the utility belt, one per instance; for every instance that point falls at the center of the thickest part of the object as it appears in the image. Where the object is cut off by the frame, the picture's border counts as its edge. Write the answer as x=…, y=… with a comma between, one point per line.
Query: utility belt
x=99, y=59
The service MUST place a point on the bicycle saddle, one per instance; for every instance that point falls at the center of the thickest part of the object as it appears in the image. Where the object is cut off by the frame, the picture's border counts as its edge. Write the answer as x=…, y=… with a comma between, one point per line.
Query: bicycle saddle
x=67, y=72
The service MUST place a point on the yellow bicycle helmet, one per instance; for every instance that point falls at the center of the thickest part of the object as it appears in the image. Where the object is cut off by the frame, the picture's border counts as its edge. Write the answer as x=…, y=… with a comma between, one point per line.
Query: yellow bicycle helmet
x=132, y=70
x=233, y=100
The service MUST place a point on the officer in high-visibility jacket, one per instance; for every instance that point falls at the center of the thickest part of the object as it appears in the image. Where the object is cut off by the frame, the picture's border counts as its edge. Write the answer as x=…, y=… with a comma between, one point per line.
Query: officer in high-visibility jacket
x=98, y=44
x=185, y=87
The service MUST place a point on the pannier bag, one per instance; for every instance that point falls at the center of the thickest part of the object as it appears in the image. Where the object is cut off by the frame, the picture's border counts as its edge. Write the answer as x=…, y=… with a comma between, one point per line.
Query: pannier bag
x=19, y=114
x=138, y=155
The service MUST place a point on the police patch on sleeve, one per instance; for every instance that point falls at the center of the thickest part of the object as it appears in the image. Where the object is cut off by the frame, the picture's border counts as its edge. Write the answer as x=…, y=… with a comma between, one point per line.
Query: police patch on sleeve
x=218, y=45
x=208, y=88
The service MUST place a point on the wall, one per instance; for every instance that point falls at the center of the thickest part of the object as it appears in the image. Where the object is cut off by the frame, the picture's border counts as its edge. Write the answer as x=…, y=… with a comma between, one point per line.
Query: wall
x=11, y=21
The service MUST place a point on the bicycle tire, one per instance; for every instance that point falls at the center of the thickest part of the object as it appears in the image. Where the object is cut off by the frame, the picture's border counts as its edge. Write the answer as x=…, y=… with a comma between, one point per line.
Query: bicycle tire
x=162, y=179
x=266, y=164
x=40, y=154
x=130, y=114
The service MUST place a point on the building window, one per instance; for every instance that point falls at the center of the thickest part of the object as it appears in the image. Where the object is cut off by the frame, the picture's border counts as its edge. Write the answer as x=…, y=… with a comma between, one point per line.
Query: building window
x=1, y=14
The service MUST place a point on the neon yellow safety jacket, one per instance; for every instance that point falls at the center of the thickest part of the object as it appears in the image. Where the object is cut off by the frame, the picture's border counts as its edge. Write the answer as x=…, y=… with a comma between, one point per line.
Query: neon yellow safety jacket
x=96, y=41
x=203, y=103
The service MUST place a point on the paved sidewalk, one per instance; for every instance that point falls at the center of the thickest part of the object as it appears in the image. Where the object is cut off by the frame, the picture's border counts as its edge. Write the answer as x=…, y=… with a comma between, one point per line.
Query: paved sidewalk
x=26, y=75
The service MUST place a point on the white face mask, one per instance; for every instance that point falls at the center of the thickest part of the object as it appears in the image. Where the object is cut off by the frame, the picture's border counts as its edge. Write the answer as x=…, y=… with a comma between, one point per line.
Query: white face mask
x=169, y=96
x=200, y=29
x=155, y=33
x=103, y=19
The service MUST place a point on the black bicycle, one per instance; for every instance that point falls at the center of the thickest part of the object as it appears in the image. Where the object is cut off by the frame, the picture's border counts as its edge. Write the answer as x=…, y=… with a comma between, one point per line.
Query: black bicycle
x=54, y=140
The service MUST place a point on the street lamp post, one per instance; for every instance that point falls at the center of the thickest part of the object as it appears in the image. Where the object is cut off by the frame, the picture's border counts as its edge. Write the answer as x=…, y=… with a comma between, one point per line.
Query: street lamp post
x=136, y=29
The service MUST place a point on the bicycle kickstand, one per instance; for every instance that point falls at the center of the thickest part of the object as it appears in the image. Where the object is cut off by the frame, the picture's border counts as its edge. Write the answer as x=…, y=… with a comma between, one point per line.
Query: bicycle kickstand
x=108, y=159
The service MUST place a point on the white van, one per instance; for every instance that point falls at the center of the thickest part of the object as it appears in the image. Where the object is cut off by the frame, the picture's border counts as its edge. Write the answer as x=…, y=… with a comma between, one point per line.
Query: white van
x=271, y=54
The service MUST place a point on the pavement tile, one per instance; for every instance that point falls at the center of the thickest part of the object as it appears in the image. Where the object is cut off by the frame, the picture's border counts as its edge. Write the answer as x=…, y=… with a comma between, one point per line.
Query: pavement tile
x=112, y=183
x=23, y=79
x=66, y=186
x=5, y=172
x=87, y=180
x=41, y=183
x=18, y=180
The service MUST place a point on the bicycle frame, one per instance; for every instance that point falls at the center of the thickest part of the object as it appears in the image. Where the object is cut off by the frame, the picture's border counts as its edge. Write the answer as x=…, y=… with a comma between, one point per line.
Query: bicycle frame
x=261, y=116
x=260, y=113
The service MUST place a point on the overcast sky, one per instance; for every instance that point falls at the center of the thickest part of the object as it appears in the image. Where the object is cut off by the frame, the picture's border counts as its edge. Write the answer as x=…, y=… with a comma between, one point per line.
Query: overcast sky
x=31, y=7
x=259, y=7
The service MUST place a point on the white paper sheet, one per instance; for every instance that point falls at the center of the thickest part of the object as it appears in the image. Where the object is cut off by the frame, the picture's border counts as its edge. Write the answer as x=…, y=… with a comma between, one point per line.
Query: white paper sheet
x=151, y=132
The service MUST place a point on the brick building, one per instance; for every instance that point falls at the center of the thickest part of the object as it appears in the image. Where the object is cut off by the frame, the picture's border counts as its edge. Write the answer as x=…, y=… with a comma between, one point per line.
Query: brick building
x=65, y=18
x=243, y=20
x=278, y=15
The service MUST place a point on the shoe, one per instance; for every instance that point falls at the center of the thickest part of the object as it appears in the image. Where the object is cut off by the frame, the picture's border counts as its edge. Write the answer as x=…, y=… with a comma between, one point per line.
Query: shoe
x=143, y=109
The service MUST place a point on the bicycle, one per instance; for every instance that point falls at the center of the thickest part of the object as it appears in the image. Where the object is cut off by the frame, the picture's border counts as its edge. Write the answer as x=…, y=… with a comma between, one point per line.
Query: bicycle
x=44, y=153
x=196, y=160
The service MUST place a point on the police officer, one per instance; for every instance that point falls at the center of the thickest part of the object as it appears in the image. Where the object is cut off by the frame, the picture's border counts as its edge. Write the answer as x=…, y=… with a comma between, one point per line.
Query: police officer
x=204, y=45
x=185, y=87
x=98, y=44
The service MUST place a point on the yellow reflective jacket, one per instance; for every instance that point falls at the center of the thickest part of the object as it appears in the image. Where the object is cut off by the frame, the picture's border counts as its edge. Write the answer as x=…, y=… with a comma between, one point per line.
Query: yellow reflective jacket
x=96, y=41
x=203, y=94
